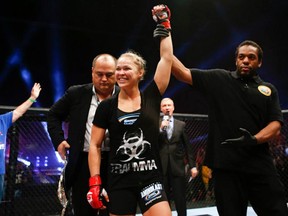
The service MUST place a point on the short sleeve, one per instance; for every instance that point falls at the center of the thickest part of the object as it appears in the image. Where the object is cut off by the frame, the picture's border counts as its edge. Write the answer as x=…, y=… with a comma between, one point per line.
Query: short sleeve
x=101, y=118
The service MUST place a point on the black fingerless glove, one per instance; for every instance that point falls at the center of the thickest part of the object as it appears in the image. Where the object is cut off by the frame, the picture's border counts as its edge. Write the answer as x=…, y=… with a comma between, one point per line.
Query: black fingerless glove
x=245, y=140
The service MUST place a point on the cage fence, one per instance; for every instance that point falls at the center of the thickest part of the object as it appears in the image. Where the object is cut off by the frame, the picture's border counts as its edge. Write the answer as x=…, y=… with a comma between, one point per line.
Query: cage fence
x=33, y=167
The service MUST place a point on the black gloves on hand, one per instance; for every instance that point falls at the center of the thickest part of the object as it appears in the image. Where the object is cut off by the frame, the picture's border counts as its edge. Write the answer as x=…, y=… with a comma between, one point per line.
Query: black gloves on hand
x=245, y=140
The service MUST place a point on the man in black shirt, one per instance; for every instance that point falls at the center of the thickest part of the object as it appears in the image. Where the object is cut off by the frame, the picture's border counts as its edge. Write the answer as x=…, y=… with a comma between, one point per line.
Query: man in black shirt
x=244, y=114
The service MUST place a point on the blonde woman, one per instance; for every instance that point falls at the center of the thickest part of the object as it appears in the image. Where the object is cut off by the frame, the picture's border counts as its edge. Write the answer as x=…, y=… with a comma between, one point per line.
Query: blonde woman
x=132, y=119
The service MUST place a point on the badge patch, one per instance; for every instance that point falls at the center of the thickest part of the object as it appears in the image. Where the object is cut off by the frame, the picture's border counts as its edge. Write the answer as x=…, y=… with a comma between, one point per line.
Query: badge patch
x=264, y=90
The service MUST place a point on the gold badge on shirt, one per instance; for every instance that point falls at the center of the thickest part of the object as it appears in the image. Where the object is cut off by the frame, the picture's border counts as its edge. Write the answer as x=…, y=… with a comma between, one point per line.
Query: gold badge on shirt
x=264, y=90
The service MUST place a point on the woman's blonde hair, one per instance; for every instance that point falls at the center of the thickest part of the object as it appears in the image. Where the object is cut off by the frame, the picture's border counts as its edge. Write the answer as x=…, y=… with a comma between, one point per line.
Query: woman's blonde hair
x=137, y=59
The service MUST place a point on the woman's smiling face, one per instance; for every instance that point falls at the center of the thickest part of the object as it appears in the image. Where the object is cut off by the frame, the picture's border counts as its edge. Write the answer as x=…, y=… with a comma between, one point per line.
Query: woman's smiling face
x=127, y=72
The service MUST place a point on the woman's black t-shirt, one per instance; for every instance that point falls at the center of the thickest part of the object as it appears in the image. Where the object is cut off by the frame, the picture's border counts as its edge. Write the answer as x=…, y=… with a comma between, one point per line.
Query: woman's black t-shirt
x=134, y=159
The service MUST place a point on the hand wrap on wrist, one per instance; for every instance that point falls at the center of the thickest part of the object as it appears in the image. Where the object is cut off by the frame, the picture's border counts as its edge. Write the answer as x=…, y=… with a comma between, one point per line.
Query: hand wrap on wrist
x=94, y=195
x=160, y=31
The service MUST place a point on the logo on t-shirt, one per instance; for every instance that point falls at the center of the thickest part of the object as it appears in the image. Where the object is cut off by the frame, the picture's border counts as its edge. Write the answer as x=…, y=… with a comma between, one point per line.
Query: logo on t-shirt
x=132, y=154
x=265, y=90
x=134, y=146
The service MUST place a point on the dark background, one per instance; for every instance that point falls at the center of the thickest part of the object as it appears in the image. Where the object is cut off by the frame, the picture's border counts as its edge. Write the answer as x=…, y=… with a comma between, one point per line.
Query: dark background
x=54, y=42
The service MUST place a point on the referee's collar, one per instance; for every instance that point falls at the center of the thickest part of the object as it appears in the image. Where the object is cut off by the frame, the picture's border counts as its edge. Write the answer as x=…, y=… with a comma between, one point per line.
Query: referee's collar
x=255, y=78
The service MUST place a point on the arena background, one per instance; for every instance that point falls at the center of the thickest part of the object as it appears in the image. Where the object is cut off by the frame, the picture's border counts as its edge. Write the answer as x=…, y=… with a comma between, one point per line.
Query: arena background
x=54, y=42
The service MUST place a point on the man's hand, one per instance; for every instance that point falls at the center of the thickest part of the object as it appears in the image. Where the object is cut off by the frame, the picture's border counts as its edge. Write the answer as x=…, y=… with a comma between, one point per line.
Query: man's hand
x=245, y=140
x=194, y=172
x=164, y=125
x=35, y=91
x=62, y=149
x=96, y=193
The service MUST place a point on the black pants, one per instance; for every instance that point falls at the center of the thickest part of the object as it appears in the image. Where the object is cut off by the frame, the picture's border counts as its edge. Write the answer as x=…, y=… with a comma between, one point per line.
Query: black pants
x=178, y=186
x=233, y=191
x=80, y=187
